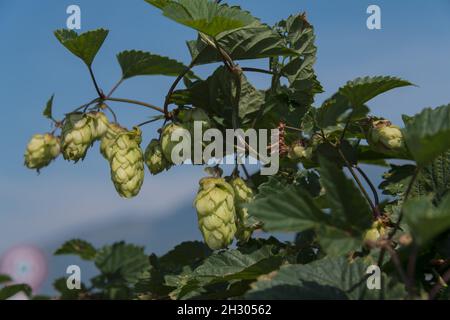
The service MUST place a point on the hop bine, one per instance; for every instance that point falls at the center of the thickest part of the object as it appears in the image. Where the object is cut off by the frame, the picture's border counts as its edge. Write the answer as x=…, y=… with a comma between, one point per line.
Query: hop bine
x=216, y=212
x=242, y=195
x=155, y=159
x=127, y=163
x=41, y=150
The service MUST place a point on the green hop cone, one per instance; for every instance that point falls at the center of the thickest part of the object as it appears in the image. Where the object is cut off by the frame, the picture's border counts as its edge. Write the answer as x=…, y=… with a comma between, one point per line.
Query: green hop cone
x=386, y=138
x=167, y=145
x=41, y=150
x=78, y=134
x=376, y=232
x=100, y=124
x=154, y=158
x=188, y=116
x=242, y=195
x=299, y=151
x=108, y=139
x=216, y=213
x=127, y=163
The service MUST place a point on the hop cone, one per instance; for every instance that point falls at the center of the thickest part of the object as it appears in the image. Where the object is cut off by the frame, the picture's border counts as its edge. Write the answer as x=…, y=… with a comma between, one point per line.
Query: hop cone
x=154, y=158
x=167, y=144
x=41, y=150
x=386, y=138
x=216, y=212
x=78, y=134
x=100, y=124
x=376, y=232
x=188, y=116
x=108, y=139
x=242, y=195
x=127, y=163
x=298, y=151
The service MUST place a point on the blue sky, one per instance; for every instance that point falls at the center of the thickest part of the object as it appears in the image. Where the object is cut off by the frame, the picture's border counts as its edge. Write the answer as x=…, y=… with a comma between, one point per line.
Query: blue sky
x=414, y=44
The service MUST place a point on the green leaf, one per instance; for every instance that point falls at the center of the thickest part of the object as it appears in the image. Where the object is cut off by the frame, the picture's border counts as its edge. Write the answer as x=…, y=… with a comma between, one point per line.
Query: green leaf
x=48, y=108
x=60, y=285
x=299, y=35
x=9, y=291
x=349, y=209
x=122, y=261
x=291, y=208
x=361, y=90
x=285, y=208
x=4, y=278
x=81, y=248
x=328, y=278
x=216, y=95
x=426, y=221
x=185, y=254
x=205, y=16
x=85, y=46
x=223, y=267
x=349, y=101
x=255, y=41
x=427, y=133
x=139, y=63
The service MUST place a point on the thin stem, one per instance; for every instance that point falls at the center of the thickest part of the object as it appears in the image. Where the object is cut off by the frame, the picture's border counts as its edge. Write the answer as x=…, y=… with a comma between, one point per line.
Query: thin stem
x=174, y=85
x=99, y=92
x=411, y=268
x=407, y=194
x=435, y=290
x=398, y=265
x=358, y=182
x=140, y=103
x=249, y=69
x=114, y=88
x=87, y=104
x=372, y=187
x=294, y=129
x=147, y=122
x=400, y=217
x=112, y=112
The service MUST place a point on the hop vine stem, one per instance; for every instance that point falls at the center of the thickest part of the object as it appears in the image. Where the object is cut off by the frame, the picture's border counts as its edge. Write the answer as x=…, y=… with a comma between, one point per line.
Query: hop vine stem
x=99, y=92
x=136, y=102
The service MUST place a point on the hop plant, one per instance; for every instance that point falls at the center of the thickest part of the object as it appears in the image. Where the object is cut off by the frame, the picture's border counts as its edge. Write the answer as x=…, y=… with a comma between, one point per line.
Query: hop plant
x=167, y=144
x=154, y=158
x=41, y=150
x=188, y=116
x=216, y=212
x=100, y=124
x=78, y=134
x=108, y=139
x=376, y=232
x=127, y=163
x=384, y=137
x=242, y=195
x=299, y=151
